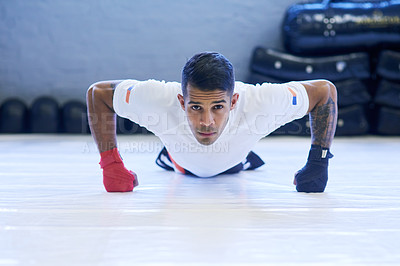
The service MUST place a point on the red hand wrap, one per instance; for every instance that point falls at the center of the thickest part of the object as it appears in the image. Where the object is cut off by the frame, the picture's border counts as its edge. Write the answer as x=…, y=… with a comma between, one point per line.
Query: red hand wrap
x=116, y=178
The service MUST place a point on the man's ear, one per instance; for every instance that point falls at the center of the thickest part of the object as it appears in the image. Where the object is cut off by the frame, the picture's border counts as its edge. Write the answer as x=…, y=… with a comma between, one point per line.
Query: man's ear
x=235, y=98
x=181, y=101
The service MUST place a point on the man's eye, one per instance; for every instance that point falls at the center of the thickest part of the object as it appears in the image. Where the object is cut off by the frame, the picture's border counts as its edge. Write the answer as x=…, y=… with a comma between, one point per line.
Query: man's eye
x=218, y=106
x=196, y=107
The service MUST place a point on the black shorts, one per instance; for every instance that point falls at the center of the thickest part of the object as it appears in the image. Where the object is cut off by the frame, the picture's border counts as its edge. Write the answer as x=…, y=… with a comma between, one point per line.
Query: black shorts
x=252, y=161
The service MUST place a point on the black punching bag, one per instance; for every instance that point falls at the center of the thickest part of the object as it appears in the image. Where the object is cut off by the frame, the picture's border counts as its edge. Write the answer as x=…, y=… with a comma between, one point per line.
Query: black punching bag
x=74, y=117
x=13, y=116
x=44, y=115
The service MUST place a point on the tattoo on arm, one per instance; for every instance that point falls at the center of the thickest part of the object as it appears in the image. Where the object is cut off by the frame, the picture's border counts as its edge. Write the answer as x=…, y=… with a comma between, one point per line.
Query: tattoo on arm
x=323, y=123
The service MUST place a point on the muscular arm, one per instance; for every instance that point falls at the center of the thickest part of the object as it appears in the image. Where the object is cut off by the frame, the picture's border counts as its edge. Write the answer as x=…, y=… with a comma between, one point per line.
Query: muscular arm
x=322, y=111
x=101, y=115
x=313, y=177
x=102, y=122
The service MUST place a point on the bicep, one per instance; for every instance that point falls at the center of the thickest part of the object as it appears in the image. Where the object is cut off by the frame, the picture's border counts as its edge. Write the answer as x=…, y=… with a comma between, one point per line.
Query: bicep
x=104, y=91
x=319, y=91
x=107, y=84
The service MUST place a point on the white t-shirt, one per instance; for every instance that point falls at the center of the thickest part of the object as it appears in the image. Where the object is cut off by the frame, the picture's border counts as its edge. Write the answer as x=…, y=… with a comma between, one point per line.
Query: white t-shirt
x=259, y=111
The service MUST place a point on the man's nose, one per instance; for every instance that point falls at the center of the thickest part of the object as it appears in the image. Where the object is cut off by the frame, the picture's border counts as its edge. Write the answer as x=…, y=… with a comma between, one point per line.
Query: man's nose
x=207, y=119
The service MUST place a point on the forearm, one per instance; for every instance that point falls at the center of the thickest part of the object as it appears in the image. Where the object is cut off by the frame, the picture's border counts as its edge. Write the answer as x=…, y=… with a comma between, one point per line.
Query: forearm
x=323, y=119
x=101, y=115
x=322, y=109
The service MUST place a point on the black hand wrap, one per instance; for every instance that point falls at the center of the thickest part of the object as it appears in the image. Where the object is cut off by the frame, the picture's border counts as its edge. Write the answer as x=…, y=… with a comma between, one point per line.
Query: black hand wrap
x=314, y=175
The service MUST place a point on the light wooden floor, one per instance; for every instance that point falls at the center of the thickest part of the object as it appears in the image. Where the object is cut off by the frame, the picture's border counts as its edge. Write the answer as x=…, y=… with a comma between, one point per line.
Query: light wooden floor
x=54, y=210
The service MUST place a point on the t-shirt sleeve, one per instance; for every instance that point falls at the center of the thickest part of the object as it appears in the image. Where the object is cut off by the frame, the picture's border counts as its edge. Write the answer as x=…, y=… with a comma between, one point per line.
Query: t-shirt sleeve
x=146, y=102
x=276, y=104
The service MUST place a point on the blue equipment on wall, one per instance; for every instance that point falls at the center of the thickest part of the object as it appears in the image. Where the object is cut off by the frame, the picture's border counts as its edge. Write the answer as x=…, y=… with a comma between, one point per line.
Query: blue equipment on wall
x=333, y=26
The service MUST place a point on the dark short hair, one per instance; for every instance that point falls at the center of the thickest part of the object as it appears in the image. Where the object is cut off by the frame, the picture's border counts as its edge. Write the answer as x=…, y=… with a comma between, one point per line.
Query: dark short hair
x=208, y=71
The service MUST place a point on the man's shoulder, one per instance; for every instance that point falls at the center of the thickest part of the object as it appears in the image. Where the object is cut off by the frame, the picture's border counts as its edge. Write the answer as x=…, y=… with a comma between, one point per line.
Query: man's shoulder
x=155, y=88
x=241, y=87
x=156, y=83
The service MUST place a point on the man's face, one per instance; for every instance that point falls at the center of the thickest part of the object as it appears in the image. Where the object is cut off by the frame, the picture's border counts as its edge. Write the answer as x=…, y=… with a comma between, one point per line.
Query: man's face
x=208, y=112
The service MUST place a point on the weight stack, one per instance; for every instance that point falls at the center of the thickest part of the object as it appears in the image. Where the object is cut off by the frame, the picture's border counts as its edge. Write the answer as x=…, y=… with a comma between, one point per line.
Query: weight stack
x=387, y=98
x=349, y=73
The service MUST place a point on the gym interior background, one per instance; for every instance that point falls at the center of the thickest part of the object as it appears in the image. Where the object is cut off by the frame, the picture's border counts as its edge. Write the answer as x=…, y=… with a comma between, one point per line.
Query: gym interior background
x=53, y=206
x=51, y=51
x=58, y=48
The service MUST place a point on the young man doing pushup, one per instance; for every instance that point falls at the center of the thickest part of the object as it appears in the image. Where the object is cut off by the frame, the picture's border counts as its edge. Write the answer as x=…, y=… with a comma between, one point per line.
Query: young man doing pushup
x=206, y=111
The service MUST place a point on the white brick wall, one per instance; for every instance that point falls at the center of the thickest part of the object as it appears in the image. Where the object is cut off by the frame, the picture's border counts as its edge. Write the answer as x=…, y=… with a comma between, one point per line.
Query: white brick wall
x=60, y=47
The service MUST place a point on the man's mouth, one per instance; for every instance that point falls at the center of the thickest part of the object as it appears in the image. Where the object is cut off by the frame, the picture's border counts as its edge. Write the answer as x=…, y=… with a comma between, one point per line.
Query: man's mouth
x=206, y=134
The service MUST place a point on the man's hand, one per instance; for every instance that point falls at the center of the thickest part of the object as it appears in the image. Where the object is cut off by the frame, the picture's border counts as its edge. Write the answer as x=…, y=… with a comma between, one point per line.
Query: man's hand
x=119, y=179
x=314, y=175
x=116, y=178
